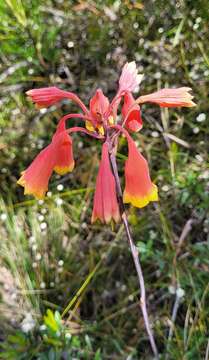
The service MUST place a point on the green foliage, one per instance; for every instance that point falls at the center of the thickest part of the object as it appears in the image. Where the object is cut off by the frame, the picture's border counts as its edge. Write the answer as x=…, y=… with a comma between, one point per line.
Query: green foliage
x=18, y=11
x=53, y=342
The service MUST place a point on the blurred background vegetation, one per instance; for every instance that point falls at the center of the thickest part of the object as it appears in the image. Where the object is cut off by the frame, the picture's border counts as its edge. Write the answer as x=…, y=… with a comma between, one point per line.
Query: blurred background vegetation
x=50, y=254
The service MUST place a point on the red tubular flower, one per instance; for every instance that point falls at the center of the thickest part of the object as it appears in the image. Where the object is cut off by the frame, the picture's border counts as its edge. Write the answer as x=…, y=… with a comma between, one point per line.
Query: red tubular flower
x=48, y=96
x=133, y=120
x=35, y=178
x=169, y=97
x=64, y=158
x=139, y=190
x=99, y=104
x=105, y=200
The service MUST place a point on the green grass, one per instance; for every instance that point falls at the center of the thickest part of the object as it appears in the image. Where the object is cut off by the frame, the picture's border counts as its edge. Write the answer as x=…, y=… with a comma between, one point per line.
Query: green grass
x=50, y=254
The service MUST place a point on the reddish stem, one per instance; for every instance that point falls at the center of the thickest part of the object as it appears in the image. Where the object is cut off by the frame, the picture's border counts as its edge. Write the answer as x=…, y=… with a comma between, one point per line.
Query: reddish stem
x=114, y=100
x=75, y=98
x=70, y=116
x=133, y=248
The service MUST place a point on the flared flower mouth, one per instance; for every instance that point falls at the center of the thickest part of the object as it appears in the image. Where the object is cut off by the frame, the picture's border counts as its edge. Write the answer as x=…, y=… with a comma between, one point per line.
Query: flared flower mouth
x=36, y=177
x=57, y=156
x=141, y=200
x=139, y=189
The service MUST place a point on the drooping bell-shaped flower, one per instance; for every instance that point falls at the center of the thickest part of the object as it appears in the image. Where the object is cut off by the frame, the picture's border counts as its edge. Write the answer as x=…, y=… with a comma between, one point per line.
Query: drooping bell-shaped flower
x=131, y=113
x=139, y=189
x=129, y=78
x=64, y=158
x=105, y=200
x=169, y=98
x=35, y=178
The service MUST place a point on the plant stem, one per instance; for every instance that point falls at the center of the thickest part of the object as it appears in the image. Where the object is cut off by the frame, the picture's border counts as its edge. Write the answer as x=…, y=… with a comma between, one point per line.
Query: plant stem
x=134, y=252
x=173, y=319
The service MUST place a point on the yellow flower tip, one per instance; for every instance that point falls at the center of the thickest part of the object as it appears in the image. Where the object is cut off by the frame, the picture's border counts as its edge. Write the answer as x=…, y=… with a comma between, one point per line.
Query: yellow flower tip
x=38, y=194
x=111, y=120
x=192, y=104
x=153, y=196
x=65, y=169
x=106, y=220
x=141, y=201
x=28, y=190
x=89, y=126
x=117, y=218
x=21, y=180
x=101, y=130
x=96, y=219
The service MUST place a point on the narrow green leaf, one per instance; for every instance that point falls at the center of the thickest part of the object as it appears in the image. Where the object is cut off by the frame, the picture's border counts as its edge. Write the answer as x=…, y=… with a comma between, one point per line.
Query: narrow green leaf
x=82, y=288
x=18, y=10
x=178, y=33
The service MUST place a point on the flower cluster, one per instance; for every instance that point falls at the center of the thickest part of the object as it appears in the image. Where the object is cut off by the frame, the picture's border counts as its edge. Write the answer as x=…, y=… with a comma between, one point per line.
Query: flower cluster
x=102, y=122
